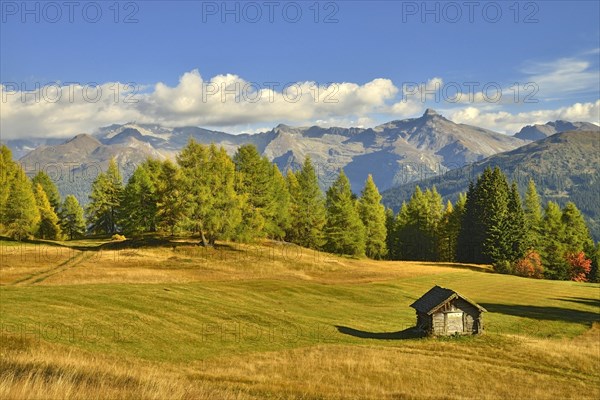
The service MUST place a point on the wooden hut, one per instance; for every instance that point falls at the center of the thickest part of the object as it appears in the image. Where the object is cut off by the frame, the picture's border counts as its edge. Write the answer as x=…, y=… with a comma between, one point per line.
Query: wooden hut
x=442, y=311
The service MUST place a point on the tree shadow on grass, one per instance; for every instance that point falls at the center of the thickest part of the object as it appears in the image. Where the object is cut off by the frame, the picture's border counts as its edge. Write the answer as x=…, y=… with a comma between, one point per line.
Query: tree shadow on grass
x=580, y=300
x=544, y=313
x=409, y=333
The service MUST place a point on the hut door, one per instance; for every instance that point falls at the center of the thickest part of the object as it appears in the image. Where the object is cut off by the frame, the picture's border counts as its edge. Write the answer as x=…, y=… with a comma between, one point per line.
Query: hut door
x=454, y=322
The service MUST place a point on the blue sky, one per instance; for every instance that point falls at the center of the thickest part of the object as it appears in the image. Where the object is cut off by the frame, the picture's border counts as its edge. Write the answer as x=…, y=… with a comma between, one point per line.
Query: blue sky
x=369, y=49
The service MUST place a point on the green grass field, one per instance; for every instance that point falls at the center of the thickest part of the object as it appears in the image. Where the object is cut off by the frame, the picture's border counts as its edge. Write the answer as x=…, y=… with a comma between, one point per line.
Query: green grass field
x=170, y=320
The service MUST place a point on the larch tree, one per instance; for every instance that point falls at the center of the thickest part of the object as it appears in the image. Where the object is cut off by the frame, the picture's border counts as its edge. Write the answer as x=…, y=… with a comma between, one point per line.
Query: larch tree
x=576, y=234
x=21, y=214
x=280, y=221
x=227, y=204
x=255, y=182
x=106, y=196
x=8, y=169
x=213, y=208
x=195, y=168
x=49, y=187
x=170, y=205
x=138, y=210
x=48, y=227
x=373, y=216
x=418, y=228
x=292, y=233
x=344, y=230
x=307, y=208
x=71, y=218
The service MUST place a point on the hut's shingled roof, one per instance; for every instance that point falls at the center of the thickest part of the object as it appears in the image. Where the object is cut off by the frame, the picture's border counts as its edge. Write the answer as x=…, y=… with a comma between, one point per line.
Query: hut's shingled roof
x=437, y=296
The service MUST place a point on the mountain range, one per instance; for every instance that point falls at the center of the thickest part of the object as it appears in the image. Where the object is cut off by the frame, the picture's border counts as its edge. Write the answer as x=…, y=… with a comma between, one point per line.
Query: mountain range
x=396, y=153
x=537, y=132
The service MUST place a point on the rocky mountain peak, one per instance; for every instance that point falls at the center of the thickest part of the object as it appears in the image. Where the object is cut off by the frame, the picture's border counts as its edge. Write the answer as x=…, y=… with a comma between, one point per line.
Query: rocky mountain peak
x=430, y=112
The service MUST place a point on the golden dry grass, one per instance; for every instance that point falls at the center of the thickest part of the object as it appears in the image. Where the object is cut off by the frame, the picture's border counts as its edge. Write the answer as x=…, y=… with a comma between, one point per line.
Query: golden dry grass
x=511, y=368
x=170, y=304
x=44, y=264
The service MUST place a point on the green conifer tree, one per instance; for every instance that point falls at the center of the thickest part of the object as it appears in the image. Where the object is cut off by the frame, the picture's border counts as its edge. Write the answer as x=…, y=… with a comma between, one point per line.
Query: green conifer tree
x=71, y=218
x=554, y=250
x=48, y=227
x=307, y=208
x=373, y=216
x=106, y=197
x=533, y=216
x=344, y=230
x=21, y=212
x=49, y=187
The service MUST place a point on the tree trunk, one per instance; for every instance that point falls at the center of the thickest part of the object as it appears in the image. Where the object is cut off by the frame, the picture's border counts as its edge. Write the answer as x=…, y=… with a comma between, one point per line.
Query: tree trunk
x=203, y=241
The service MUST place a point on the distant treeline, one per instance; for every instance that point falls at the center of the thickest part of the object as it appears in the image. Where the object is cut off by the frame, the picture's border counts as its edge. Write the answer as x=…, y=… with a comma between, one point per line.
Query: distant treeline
x=245, y=198
x=491, y=224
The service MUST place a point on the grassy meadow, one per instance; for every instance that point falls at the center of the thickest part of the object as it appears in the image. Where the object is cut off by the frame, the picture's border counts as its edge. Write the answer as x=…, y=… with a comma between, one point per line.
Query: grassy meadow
x=163, y=319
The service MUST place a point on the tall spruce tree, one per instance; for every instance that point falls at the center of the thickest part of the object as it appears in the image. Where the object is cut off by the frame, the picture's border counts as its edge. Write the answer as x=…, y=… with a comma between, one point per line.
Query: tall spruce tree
x=483, y=236
x=400, y=239
x=472, y=229
x=344, y=230
x=497, y=244
x=452, y=227
x=107, y=191
x=445, y=249
x=48, y=227
x=391, y=239
x=49, y=187
x=553, y=249
x=373, y=216
x=71, y=218
x=515, y=226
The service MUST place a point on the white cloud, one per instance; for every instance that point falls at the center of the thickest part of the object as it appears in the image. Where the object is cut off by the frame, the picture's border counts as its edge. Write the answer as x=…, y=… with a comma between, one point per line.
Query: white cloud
x=222, y=101
x=563, y=77
x=230, y=103
x=502, y=121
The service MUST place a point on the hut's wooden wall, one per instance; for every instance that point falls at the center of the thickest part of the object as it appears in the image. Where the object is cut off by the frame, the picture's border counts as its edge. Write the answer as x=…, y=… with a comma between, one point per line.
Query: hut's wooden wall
x=471, y=317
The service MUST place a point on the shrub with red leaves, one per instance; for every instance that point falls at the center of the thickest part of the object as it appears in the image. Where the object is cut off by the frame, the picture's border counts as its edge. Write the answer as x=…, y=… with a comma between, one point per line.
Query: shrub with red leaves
x=530, y=266
x=579, y=266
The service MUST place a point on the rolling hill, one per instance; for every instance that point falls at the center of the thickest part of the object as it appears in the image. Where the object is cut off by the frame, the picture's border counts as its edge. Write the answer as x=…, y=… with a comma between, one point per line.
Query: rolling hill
x=91, y=319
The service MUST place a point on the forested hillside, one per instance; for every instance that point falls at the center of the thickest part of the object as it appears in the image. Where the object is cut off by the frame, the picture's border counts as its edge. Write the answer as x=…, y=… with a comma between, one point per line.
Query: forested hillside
x=565, y=167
